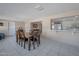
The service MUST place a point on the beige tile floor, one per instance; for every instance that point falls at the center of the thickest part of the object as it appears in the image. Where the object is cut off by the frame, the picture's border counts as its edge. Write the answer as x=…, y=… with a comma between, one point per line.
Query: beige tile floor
x=48, y=47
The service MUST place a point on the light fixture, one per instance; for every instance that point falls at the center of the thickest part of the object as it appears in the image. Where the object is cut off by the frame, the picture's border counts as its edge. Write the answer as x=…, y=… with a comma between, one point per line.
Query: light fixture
x=76, y=16
x=39, y=8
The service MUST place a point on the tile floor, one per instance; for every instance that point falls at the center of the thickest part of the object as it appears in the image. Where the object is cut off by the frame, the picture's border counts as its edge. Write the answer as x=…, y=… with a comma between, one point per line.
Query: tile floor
x=48, y=47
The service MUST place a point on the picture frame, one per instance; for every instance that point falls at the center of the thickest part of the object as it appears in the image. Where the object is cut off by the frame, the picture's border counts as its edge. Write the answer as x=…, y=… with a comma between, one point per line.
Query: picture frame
x=1, y=24
x=36, y=25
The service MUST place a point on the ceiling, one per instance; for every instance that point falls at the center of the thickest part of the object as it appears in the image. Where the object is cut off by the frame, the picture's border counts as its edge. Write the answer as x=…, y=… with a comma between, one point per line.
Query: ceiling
x=21, y=11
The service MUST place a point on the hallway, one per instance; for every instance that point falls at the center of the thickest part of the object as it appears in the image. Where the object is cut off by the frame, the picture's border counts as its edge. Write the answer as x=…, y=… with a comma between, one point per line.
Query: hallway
x=48, y=47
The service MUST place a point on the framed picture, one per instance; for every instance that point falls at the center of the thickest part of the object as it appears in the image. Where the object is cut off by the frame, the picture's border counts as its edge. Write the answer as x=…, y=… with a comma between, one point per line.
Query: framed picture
x=1, y=24
x=36, y=25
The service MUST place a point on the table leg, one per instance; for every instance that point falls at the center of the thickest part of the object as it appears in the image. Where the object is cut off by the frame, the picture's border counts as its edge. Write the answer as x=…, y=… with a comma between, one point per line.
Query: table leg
x=33, y=43
x=37, y=41
x=29, y=44
x=21, y=42
x=24, y=44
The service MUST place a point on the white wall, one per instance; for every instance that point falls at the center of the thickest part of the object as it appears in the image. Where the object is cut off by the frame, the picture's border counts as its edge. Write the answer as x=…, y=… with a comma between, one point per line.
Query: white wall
x=27, y=26
x=12, y=29
x=62, y=36
x=8, y=28
x=4, y=28
x=19, y=24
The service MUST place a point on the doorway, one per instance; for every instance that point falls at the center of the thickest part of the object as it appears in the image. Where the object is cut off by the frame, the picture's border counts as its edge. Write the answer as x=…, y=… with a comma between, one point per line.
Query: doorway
x=12, y=31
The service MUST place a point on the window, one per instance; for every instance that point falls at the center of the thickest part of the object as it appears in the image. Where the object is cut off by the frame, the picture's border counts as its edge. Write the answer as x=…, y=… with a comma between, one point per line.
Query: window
x=56, y=25
x=65, y=23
